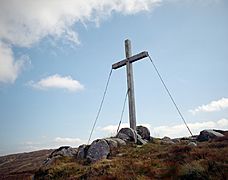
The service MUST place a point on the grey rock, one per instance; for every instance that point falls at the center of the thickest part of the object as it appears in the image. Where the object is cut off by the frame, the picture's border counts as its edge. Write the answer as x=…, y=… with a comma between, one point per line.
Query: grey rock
x=176, y=140
x=112, y=143
x=206, y=135
x=82, y=152
x=166, y=138
x=167, y=142
x=140, y=140
x=123, y=136
x=129, y=132
x=120, y=142
x=64, y=151
x=143, y=132
x=193, y=144
x=220, y=131
x=99, y=149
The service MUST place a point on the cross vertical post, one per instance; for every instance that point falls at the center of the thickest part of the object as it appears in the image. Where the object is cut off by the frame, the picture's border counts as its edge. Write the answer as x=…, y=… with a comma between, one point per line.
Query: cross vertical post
x=130, y=85
x=130, y=82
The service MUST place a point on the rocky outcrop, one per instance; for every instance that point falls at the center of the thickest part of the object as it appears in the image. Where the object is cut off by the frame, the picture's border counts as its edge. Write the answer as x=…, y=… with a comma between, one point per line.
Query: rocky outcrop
x=127, y=134
x=206, y=135
x=99, y=149
x=140, y=137
x=167, y=141
x=112, y=143
x=63, y=151
x=82, y=151
x=119, y=141
x=143, y=132
x=140, y=140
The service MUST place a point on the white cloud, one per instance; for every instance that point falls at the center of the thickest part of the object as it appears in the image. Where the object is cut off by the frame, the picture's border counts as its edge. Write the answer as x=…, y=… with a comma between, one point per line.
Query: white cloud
x=58, y=82
x=212, y=106
x=68, y=140
x=26, y=22
x=111, y=129
x=178, y=130
x=9, y=68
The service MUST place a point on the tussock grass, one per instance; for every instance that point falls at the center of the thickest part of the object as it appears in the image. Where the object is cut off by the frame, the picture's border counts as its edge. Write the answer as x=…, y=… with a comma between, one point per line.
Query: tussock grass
x=209, y=160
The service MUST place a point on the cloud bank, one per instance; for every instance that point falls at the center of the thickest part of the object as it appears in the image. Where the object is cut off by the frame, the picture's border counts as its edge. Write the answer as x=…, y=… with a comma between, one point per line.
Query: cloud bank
x=57, y=82
x=178, y=130
x=26, y=22
x=113, y=128
x=212, y=106
x=9, y=69
x=67, y=141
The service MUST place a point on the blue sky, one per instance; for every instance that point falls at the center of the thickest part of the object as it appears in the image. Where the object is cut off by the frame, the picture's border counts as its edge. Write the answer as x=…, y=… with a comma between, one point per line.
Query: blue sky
x=55, y=58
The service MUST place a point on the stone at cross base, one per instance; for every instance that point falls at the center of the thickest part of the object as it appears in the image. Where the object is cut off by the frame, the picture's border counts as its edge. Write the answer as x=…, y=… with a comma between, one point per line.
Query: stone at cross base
x=141, y=136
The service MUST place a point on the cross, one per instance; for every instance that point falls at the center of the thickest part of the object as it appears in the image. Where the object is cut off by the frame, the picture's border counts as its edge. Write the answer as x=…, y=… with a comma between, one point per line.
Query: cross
x=130, y=82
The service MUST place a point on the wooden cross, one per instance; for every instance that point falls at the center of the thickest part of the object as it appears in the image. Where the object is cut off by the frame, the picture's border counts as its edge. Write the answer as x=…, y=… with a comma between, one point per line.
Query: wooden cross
x=130, y=82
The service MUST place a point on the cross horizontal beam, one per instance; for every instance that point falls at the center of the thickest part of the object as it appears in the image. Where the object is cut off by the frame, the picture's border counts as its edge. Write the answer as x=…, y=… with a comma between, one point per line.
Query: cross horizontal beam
x=130, y=59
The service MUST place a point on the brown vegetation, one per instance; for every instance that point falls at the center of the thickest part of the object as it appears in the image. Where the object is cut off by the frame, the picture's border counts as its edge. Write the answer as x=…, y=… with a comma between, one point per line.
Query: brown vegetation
x=23, y=165
x=209, y=160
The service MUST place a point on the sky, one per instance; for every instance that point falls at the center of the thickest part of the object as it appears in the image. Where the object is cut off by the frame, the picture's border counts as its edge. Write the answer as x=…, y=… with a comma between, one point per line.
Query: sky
x=55, y=57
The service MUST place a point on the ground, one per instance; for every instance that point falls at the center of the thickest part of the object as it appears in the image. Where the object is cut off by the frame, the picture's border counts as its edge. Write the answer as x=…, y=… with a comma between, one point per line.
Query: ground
x=155, y=160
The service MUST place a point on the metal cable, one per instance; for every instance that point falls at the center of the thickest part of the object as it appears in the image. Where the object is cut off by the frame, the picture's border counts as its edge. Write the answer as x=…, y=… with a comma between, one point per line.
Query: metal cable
x=121, y=117
x=101, y=104
x=167, y=90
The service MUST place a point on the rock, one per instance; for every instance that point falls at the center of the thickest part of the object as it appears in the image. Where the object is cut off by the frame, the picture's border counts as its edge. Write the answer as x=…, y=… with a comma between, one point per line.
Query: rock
x=176, y=140
x=64, y=151
x=112, y=143
x=99, y=149
x=123, y=136
x=221, y=131
x=143, y=132
x=119, y=141
x=167, y=142
x=166, y=138
x=193, y=144
x=140, y=141
x=129, y=132
x=206, y=135
x=82, y=151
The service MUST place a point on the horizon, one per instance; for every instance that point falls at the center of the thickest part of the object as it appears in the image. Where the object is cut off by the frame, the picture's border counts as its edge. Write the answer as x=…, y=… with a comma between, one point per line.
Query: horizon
x=55, y=58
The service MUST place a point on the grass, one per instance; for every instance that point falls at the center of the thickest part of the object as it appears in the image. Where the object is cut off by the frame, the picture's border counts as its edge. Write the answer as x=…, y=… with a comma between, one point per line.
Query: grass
x=209, y=160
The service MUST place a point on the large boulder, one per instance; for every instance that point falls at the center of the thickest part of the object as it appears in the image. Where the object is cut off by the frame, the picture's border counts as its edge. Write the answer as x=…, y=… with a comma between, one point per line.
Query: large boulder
x=120, y=142
x=99, y=149
x=140, y=140
x=143, y=132
x=66, y=151
x=127, y=134
x=206, y=135
x=123, y=136
x=63, y=151
x=112, y=143
x=82, y=151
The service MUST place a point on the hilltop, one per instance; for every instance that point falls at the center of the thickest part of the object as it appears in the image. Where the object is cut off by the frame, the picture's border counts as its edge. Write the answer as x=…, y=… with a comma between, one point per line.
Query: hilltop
x=154, y=160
